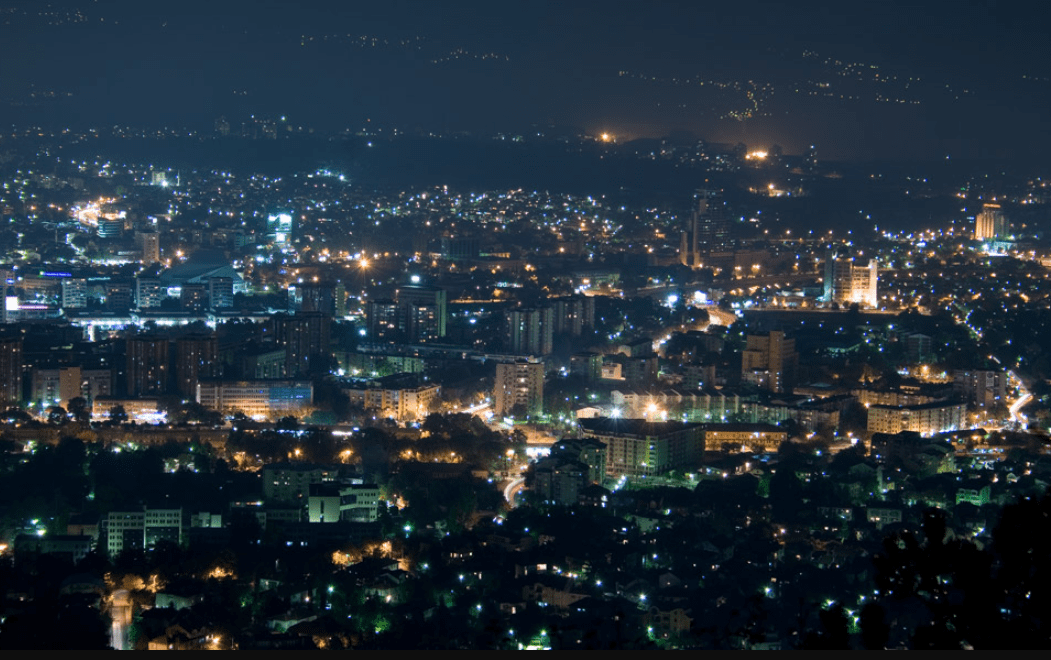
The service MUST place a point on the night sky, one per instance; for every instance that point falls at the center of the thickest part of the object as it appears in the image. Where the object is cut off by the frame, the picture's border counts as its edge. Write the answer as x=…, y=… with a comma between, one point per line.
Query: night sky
x=860, y=80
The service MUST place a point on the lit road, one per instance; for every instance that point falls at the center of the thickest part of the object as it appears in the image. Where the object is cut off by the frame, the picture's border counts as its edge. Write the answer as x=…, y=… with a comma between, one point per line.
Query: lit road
x=120, y=611
x=721, y=316
x=1016, y=416
x=479, y=408
x=1024, y=396
x=512, y=489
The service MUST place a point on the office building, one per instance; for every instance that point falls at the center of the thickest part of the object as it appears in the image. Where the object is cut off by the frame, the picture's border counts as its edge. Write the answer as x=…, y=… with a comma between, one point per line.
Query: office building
x=359, y=502
x=461, y=247
x=110, y=228
x=332, y=503
x=140, y=530
x=262, y=363
x=519, y=388
x=260, y=399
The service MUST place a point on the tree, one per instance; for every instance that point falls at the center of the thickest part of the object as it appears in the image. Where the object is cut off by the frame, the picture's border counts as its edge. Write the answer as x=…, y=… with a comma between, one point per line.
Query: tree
x=117, y=414
x=78, y=409
x=57, y=415
x=287, y=423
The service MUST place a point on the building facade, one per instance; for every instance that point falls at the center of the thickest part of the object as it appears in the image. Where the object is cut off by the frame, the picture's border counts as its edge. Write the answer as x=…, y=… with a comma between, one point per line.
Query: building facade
x=10, y=371
x=925, y=419
x=769, y=361
x=636, y=448
x=850, y=280
x=258, y=399
x=519, y=383
x=990, y=224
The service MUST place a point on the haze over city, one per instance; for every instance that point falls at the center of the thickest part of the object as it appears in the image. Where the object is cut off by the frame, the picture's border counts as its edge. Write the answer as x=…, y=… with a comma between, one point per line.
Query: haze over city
x=866, y=81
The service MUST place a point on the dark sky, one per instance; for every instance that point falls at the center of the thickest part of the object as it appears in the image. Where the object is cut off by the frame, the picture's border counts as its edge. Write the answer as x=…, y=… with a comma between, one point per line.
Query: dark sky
x=860, y=80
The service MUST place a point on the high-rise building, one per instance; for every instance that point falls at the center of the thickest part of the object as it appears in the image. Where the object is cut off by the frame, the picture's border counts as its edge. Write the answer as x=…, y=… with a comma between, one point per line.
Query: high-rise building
x=193, y=297
x=586, y=364
x=119, y=296
x=574, y=315
x=10, y=371
x=382, y=319
x=709, y=229
x=980, y=387
x=56, y=386
x=196, y=357
x=422, y=323
x=312, y=297
x=149, y=293
x=519, y=383
x=417, y=315
x=306, y=338
x=74, y=293
x=850, y=280
x=431, y=324
x=220, y=292
x=991, y=224
x=147, y=365
x=149, y=244
x=810, y=158
x=769, y=361
x=530, y=331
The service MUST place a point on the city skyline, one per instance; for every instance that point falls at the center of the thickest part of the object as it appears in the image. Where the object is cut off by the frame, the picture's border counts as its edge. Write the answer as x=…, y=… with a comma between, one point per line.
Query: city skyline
x=533, y=325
